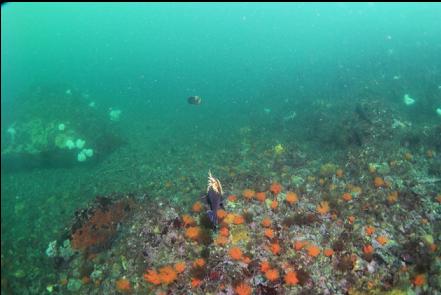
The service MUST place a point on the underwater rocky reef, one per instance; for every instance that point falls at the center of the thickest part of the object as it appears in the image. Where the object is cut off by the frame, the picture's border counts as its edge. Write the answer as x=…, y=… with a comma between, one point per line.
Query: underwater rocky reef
x=342, y=204
x=367, y=225
x=293, y=222
x=63, y=132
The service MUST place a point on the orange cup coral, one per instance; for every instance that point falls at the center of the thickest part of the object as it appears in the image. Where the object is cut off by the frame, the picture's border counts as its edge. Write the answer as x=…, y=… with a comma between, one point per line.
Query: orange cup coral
x=235, y=253
x=368, y=249
x=272, y=275
x=298, y=245
x=369, y=230
x=221, y=241
x=382, y=240
x=275, y=188
x=248, y=194
x=275, y=248
x=269, y=233
x=197, y=207
x=167, y=275
x=346, y=197
x=419, y=280
x=232, y=198
x=392, y=198
x=199, y=262
x=291, y=197
x=193, y=232
x=180, y=267
x=243, y=289
x=123, y=285
x=323, y=207
x=261, y=196
x=238, y=219
x=328, y=252
x=224, y=232
x=291, y=278
x=187, y=220
x=221, y=214
x=274, y=204
x=265, y=266
x=152, y=277
x=313, y=250
x=266, y=222
x=195, y=282
x=379, y=182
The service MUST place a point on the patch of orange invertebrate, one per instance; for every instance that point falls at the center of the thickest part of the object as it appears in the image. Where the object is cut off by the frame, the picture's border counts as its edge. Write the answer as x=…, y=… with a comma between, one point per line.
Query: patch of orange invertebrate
x=323, y=207
x=291, y=197
x=275, y=188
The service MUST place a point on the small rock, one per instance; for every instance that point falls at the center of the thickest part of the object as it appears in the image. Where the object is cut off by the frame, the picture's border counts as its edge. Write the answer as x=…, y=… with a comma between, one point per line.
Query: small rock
x=74, y=285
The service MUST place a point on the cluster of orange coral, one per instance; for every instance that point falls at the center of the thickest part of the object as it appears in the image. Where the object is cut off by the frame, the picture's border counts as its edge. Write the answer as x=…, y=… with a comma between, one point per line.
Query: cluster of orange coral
x=167, y=275
x=96, y=232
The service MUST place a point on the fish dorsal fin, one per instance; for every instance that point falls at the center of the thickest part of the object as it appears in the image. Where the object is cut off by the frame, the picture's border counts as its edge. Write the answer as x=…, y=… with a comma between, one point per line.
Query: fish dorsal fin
x=214, y=184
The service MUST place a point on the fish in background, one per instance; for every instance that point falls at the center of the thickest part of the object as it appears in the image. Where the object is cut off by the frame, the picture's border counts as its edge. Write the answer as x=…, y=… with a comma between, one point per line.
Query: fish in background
x=196, y=100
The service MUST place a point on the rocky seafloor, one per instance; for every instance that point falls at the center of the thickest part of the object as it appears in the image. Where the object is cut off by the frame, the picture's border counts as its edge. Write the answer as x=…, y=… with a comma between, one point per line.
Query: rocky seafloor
x=367, y=222
x=354, y=228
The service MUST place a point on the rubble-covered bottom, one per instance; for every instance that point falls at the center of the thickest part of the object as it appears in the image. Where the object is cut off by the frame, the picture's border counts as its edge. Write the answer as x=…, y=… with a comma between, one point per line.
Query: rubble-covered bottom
x=326, y=234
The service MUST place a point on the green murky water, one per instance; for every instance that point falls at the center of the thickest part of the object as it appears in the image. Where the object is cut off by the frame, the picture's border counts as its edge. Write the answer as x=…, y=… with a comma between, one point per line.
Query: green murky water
x=94, y=102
